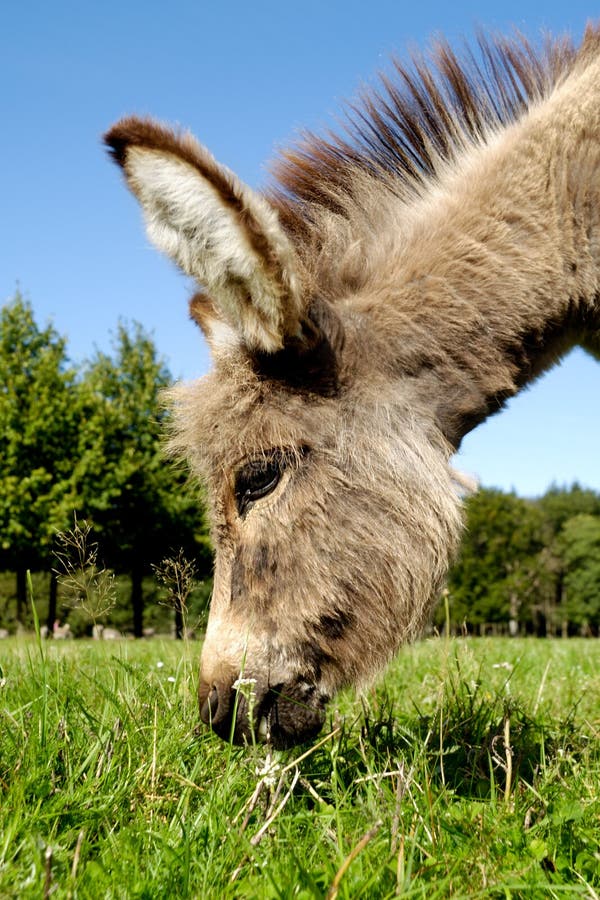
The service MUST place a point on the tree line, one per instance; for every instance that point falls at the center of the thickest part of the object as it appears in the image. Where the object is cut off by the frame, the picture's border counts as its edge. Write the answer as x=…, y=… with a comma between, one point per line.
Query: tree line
x=83, y=444
x=81, y=448
x=527, y=566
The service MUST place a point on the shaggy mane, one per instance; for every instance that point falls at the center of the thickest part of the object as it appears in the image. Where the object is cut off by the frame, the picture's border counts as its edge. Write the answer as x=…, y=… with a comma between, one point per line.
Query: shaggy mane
x=424, y=116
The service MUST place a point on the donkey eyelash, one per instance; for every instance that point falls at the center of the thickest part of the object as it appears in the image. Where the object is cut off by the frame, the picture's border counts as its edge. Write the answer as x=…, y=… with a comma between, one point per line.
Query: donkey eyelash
x=257, y=479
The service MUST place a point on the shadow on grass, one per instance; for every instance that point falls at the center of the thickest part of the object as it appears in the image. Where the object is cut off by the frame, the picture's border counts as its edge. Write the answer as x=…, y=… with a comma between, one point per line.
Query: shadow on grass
x=474, y=742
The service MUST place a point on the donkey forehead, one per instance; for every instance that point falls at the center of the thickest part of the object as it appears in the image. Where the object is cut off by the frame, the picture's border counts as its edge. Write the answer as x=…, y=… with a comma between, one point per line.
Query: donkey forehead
x=232, y=414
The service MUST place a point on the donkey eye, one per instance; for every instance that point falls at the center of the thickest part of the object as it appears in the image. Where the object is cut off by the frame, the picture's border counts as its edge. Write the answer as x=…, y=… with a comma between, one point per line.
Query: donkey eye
x=255, y=480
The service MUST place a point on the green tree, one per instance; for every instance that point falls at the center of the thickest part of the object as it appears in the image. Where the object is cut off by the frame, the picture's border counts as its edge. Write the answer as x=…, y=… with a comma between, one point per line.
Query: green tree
x=498, y=571
x=558, y=505
x=139, y=503
x=38, y=431
x=580, y=541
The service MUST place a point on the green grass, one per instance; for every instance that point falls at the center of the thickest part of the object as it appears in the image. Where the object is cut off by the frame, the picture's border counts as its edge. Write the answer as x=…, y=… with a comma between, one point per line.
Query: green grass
x=472, y=770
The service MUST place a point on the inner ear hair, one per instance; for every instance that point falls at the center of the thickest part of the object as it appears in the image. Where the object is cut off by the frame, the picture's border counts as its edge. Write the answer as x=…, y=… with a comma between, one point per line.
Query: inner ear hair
x=203, y=311
x=217, y=229
x=311, y=362
x=219, y=333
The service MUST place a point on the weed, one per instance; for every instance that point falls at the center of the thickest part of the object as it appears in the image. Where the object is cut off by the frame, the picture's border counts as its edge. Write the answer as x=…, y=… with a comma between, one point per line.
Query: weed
x=86, y=585
x=177, y=574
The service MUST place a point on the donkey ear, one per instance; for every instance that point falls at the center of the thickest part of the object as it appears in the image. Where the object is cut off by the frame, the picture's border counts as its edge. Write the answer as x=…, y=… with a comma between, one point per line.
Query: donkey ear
x=219, y=334
x=216, y=228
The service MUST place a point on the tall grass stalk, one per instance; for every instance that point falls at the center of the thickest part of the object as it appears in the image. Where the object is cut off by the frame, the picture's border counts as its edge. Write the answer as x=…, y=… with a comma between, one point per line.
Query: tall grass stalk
x=43, y=680
x=86, y=584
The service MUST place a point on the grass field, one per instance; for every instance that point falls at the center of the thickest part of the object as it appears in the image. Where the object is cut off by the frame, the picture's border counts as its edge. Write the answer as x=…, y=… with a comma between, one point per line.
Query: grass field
x=472, y=770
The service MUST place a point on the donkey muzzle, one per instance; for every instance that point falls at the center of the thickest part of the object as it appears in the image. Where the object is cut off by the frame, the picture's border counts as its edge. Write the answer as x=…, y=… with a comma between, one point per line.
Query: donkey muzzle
x=246, y=711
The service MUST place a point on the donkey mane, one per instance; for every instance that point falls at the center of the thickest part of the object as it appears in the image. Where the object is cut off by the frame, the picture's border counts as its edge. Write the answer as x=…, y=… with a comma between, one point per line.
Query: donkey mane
x=405, y=132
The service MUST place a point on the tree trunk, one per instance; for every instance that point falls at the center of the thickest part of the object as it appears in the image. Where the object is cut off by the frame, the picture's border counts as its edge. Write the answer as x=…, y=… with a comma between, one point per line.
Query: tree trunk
x=21, y=594
x=52, y=600
x=559, y=599
x=542, y=625
x=514, y=609
x=178, y=620
x=137, y=602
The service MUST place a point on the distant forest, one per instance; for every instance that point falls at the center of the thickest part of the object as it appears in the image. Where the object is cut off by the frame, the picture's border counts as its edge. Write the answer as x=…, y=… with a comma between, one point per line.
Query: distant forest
x=114, y=534
x=527, y=566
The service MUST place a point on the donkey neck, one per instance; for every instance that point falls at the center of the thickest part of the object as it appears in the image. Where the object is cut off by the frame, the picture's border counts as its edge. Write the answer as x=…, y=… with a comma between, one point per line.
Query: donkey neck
x=497, y=270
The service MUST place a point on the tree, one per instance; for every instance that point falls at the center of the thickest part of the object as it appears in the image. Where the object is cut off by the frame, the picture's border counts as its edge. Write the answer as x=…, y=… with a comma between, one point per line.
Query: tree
x=560, y=504
x=580, y=541
x=498, y=571
x=529, y=562
x=38, y=431
x=139, y=504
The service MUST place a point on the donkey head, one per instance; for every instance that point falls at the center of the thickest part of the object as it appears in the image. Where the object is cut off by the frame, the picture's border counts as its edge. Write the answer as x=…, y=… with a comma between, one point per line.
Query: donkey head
x=332, y=506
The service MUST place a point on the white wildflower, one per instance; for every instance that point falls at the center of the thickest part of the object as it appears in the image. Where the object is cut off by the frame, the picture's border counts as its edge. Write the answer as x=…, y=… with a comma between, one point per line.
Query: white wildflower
x=269, y=773
x=243, y=682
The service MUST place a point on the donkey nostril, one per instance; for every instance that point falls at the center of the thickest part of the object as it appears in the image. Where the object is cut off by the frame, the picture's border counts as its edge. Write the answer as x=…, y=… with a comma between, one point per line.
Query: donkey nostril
x=210, y=706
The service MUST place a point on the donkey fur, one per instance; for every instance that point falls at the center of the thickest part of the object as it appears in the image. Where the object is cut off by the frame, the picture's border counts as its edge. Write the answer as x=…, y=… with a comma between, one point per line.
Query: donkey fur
x=385, y=295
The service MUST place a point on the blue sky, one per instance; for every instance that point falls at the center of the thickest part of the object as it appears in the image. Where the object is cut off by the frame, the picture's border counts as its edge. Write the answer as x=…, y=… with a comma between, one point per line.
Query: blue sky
x=244, y=77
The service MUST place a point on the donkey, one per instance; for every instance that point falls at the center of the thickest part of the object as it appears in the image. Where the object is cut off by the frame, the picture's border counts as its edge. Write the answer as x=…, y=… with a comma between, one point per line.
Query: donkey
x=390, y=290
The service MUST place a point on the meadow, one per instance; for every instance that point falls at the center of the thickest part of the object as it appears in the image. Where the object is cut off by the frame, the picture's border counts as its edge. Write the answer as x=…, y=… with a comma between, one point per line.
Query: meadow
x=471, y=770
